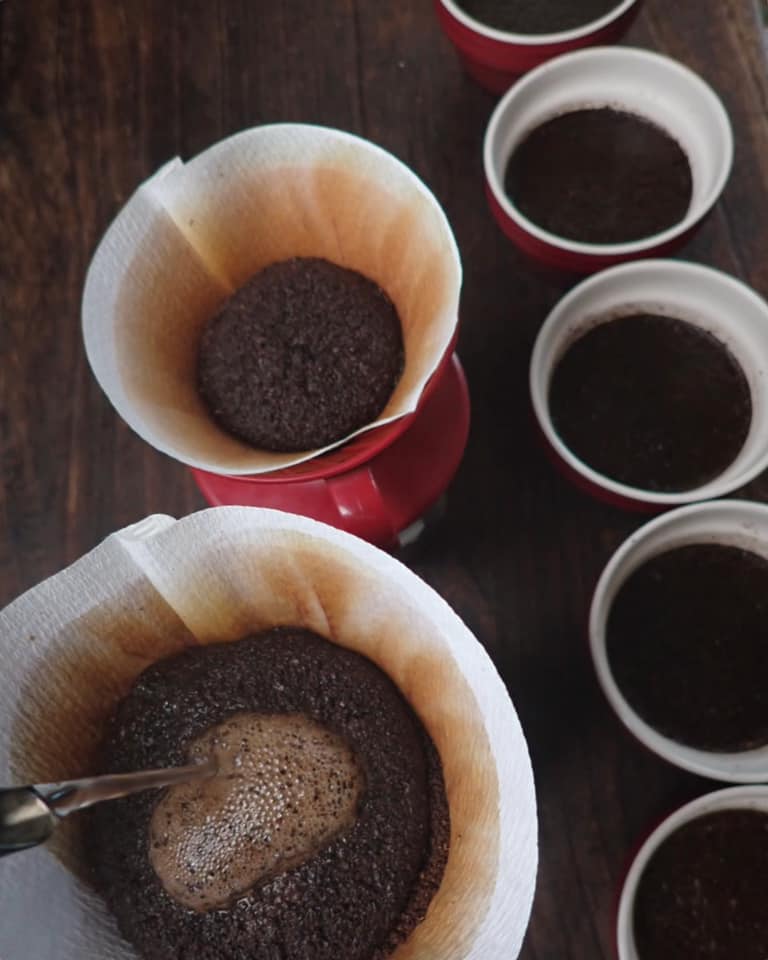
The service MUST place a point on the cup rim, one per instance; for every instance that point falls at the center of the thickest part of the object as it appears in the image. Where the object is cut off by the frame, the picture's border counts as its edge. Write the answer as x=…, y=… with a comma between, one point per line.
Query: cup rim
x=687, y=270
x=753, y=796
x=602, y=250
x=537, y=39
x=706, y=763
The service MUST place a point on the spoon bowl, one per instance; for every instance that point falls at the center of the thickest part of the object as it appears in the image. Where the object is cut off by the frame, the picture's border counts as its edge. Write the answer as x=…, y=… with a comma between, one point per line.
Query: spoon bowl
x=26, y=820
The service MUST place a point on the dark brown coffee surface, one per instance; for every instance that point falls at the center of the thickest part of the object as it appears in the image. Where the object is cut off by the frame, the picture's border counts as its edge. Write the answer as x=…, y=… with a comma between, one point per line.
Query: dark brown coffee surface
x=537, y=16
x=687, y=641
x=704, y=892
x=651, y=401
x=301, y=356
x=359, y=896
x=600, y=176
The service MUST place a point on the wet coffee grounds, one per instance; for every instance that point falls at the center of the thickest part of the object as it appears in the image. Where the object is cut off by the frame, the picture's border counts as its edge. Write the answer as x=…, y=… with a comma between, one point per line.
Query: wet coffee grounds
x=704, y=892
x=651, y=401
x=537, y=16
x=304, y=354
x=687, y=641
x=600, y=176
x=358, y=897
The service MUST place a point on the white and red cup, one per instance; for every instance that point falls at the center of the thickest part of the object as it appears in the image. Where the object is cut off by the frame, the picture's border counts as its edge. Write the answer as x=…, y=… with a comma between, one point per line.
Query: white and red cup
x=652, y=86
x=713, y=300
x=738, y=523
x=732, y=798
x=496, y=58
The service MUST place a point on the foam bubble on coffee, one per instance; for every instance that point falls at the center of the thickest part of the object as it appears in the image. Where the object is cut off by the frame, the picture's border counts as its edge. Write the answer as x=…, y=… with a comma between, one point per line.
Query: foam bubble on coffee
x=286, y=787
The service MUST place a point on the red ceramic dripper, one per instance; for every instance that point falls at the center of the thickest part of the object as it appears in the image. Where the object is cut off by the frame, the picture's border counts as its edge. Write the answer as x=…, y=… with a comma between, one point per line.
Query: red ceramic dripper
x=380, y=484
x=196, y=231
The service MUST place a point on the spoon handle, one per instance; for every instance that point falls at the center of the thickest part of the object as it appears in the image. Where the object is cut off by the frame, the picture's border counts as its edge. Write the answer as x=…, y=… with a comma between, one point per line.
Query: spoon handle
x=66, y=797
x=29, y=814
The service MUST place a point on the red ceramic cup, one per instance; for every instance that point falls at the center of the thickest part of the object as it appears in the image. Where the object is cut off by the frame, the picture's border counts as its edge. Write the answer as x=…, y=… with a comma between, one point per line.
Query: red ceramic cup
x=732, y=798
x=496, y=58
x=737, y=523
x=636, y=81
x=720, y=304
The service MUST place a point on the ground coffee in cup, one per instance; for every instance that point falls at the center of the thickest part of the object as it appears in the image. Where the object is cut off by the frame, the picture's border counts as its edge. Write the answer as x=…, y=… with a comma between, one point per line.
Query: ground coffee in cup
x=600, y=176
x=704, y=891
x=651, y=401
x=686, y=643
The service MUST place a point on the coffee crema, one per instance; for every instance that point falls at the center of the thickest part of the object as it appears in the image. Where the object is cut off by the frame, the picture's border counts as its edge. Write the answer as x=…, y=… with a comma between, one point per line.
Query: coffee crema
x=600, y=176
x=285, y=787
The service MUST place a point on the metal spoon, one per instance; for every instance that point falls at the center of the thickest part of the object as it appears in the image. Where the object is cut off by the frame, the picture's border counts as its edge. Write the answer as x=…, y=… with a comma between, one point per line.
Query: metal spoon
x=28, y=815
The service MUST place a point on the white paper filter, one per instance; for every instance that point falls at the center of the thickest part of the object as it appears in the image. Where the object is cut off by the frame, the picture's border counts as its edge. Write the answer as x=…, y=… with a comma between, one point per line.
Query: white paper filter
x=73, y=645
x=195, y=232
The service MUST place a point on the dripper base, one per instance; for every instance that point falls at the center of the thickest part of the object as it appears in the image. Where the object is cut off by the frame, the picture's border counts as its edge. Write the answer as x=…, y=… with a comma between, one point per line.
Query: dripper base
x=386, y=495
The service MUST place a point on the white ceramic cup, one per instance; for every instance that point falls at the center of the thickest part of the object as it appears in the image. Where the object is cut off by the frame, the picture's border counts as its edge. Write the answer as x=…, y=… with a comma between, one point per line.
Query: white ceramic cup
x=718, y=303
x=732, y=798
x=655, y=87
x=738, y=523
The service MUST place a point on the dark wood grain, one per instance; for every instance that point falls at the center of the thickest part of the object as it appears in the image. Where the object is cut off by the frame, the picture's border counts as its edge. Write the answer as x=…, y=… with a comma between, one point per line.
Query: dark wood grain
x=94, y=95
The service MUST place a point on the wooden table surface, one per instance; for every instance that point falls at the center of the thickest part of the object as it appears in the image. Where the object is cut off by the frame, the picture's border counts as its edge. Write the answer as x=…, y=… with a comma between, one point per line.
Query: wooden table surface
x=96, y=94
